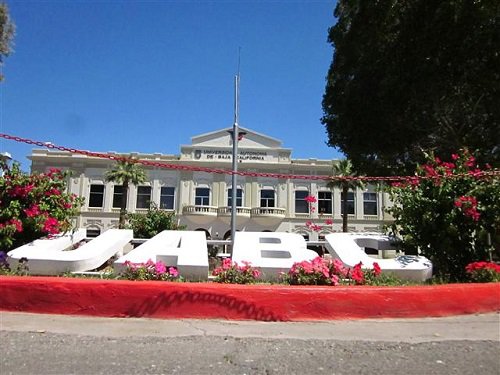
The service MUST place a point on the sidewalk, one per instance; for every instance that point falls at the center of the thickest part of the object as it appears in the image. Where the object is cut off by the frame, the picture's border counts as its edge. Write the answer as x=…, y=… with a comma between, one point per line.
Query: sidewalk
x=465, y=327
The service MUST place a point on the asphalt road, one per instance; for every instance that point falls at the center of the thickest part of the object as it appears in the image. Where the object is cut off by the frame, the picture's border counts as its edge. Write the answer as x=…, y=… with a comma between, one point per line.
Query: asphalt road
x=51, y=344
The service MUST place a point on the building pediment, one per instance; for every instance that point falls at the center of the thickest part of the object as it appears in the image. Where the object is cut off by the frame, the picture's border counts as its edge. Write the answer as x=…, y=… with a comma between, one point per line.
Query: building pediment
x=222, y=138
x=252, y=146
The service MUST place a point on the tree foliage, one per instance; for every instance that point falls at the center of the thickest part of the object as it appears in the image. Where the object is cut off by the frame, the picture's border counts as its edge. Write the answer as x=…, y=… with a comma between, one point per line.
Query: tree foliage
x=450, y=220
x=33, y=206
x=7, y=30
x=125, y=172
x=344, y=168
x=151, y=223
x=413, y=75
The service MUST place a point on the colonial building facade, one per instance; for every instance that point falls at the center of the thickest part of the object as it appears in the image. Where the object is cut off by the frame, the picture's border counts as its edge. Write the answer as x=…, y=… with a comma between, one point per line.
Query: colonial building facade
x=202, y=200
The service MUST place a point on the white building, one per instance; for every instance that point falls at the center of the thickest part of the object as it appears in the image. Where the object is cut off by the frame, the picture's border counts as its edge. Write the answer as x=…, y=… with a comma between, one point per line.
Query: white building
x=202, y=200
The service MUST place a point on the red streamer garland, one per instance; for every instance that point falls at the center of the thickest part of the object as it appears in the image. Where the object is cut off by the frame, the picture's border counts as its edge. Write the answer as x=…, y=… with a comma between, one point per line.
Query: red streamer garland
x=49, y=145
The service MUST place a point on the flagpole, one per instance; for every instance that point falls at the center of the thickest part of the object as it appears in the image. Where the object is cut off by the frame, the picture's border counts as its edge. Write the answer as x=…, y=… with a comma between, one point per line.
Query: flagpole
x=234, y=187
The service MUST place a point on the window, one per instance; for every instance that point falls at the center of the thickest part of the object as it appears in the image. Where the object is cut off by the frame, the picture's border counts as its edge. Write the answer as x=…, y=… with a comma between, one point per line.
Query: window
x=117, y=196
x=96, y=196
x=167, y=195
x=301, y=206
x=350, y=203
x=143, y=196
x=202, y=197
x=267, y=198
x=325, y=202
x=239, y=197
x=370, y=203
x=93, y=232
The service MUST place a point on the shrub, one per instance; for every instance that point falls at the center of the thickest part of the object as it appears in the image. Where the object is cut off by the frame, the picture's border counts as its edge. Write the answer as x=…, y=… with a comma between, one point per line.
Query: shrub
x=150, y=271
x=35, y=205
x=232, y=273
x=483, y=272
x=446, y=213
x=321, y=271
x=152, y=222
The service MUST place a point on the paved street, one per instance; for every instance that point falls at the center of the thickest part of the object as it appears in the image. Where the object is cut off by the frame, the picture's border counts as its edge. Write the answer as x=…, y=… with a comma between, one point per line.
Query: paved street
x=51, y=344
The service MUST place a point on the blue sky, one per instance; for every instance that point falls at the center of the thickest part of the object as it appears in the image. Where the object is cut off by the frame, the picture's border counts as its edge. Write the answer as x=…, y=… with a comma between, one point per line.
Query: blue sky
x=147, y=76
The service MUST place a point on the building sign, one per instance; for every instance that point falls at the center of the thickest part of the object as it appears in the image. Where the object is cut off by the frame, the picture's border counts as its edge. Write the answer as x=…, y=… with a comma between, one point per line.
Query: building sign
x=221, y=155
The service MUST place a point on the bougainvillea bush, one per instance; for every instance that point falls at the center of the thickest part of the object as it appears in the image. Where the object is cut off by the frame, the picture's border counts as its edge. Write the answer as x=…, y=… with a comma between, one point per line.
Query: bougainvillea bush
x=34, y=205
x=150, y=271
x=483, y=272
x=448, y=212
x=322, y=271
x=232, y=273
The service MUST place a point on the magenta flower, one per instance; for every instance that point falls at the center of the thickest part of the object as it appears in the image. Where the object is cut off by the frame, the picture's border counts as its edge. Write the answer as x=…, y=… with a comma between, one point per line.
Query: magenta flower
x=51, y=225
x=310, y=199
x=18, y=224
x=32, y=211
x=173, y=271
x=160, y=268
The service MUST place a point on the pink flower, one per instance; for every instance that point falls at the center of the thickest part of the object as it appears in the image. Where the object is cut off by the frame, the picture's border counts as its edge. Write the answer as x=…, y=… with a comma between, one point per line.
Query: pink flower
x=335, y=280
x=454, y=156
x=160, y=268
x=173, y=271
x=310, y=199
x=256, y=273
x=329, y=222
x=227, y=264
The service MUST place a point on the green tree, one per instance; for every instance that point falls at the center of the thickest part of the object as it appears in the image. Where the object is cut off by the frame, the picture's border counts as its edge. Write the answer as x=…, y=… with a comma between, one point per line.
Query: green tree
x=413, y=75
x=451, y=221
x=125, y=172
x=344, y=174
x=152, y=222
x=7, y=30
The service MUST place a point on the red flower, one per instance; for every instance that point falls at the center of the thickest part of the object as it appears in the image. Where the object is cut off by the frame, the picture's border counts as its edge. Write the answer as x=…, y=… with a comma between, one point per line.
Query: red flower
x=376, y=269
x=53, y=171
x=32, y=211
x=470, y=162
x=329, y=222
x=51, y=225
x=17, y=224
x=357, y=274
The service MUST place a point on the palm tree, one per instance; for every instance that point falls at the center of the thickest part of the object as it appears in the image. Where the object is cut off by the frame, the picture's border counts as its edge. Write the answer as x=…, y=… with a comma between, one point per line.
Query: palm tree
x=126, y=172
x=344, y=168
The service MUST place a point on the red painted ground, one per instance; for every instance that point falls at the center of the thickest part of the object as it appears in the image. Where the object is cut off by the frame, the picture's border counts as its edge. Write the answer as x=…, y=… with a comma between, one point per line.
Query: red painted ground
x=117, y=298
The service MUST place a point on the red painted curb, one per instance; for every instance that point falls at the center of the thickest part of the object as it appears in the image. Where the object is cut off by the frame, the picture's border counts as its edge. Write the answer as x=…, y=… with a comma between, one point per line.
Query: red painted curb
x=121, y=298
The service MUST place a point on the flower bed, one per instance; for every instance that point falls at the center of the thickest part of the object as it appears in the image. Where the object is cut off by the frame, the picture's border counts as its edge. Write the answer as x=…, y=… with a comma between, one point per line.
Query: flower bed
x=173, y=300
